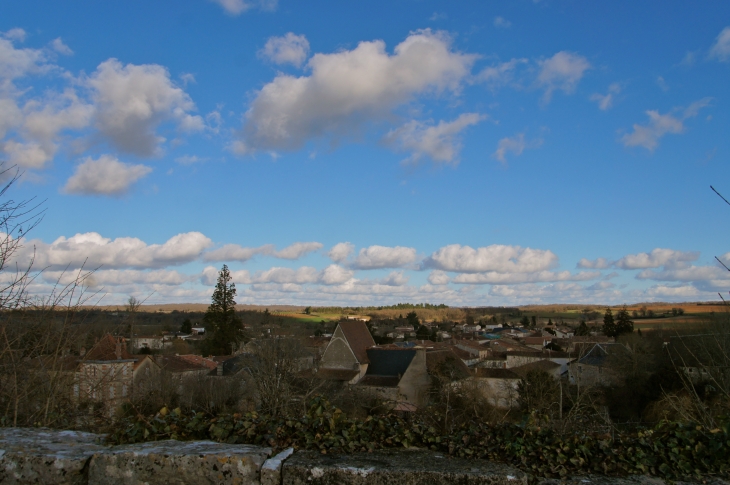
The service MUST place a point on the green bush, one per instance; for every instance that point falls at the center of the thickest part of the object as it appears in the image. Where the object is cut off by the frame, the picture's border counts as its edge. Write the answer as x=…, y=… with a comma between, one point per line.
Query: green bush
x=669, y=450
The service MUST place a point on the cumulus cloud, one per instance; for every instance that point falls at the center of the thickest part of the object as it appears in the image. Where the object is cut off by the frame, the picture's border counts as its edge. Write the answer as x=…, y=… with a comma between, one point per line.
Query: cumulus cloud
x=515, y=145
x=298, y=250
x=496, y=278
x=16, y=34
x=690, y=273
x=375, y=257
x=288, y=49
x=438, y=277
x=562, y=71
x=438, y=142
x=605, y=101
x=600, y=263
x=673, y=292
x=648, y=135
x=305, y=274
x=58, y=46
x=348, y=89
x=335, y=274
x=91, y=250
x=234, y=252
x=499, y=258
x=341, y=251
x=118, y=277
x=133, y=100
x=237, y=7
x=499, y=74
x=656, y=258
x=104, y=176
x=395, y=278
x=16, y=63
x=721, y=48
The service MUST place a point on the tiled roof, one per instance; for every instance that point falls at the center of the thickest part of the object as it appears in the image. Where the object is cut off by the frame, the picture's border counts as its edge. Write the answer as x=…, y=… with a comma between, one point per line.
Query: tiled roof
x=106, y=349
x=359, y=338
x=600, y=352
x=200, y=360
x=446, y=362
x=173, y=363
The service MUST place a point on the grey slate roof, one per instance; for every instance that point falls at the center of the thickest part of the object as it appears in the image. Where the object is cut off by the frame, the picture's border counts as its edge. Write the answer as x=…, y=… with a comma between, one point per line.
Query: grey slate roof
x=389, y=362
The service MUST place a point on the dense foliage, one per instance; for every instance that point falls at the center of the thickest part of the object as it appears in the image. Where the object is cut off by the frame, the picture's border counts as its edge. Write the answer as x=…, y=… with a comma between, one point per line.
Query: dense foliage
x=669, y=450
x=224, y=325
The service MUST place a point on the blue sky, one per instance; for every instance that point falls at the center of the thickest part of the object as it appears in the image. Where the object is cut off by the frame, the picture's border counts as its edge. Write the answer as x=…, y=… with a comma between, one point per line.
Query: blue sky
x=354, y=153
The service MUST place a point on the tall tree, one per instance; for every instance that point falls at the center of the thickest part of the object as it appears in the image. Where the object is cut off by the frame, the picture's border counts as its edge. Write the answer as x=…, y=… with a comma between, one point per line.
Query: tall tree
x=624, y=324
x=609, y=326
x=224, y=327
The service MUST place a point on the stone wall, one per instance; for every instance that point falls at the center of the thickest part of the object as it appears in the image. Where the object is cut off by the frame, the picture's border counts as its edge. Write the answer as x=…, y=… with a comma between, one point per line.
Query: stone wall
x=50, y=457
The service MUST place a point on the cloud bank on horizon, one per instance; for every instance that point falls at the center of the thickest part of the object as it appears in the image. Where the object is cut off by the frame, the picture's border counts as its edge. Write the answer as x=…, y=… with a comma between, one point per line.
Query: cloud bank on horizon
x=476, y=155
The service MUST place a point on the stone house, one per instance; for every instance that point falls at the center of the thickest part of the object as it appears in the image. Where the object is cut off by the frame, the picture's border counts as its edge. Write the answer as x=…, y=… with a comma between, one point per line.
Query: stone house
x=105, y=374
x=398, y=376
x=593, y=369
x=517, y=358
x=346, y=357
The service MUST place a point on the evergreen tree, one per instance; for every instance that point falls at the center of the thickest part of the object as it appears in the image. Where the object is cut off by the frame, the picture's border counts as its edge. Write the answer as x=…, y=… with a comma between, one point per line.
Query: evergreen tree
x=582, y=330
x=525, y=322
x=187, y=326
x=609, y=327
x=413, y=320
x=534, y=321
x=624, y=324
x=224, y=326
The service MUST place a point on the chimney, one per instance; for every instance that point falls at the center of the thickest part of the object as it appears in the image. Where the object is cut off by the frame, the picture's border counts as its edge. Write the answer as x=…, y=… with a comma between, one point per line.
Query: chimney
x=219, y=369
x=119, y=350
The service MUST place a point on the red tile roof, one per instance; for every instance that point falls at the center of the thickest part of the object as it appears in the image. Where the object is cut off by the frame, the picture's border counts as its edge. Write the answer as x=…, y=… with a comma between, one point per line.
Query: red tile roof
x=359, y=338
x=109, y=348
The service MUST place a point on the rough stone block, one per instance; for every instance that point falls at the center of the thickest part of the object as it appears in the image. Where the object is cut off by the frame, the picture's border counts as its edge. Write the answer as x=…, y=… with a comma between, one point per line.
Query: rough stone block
x=178, y=463
x=44, y=456
x=271, y=469
x=389, y=467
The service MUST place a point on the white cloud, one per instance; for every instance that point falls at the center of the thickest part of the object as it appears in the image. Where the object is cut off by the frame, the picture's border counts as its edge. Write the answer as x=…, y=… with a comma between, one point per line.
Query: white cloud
x=648, y=135
x=721, y=49
x=298, y=250
x=234, y=252
x=91, y=250
x=502, y=23
x=115, y=277
x=305, y=274
x=562, y=71
x=656, y=258
x=500, y=258
x=395, y=278
x=499, y=74
x=438, y=142
x=438, y=277
x=237, y=7
x=335, y=275
x=496, y=278
x=605, y=101
x=346, y=90
x=16, y=34
x=15, y=63
x=133, y=100
x=104, y=176
x=190, y=159
x=289, y=49
x=690, y=273
x=674, y=292
x=341, y=251
x=375, y=257
x=515, y=145
x=58, y=46
x=600, y=263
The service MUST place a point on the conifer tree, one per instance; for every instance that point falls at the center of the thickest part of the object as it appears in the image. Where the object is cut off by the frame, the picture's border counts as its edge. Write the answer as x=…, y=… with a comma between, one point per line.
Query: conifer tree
x=624, y=324
x=224, y=327
x=609, y=326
